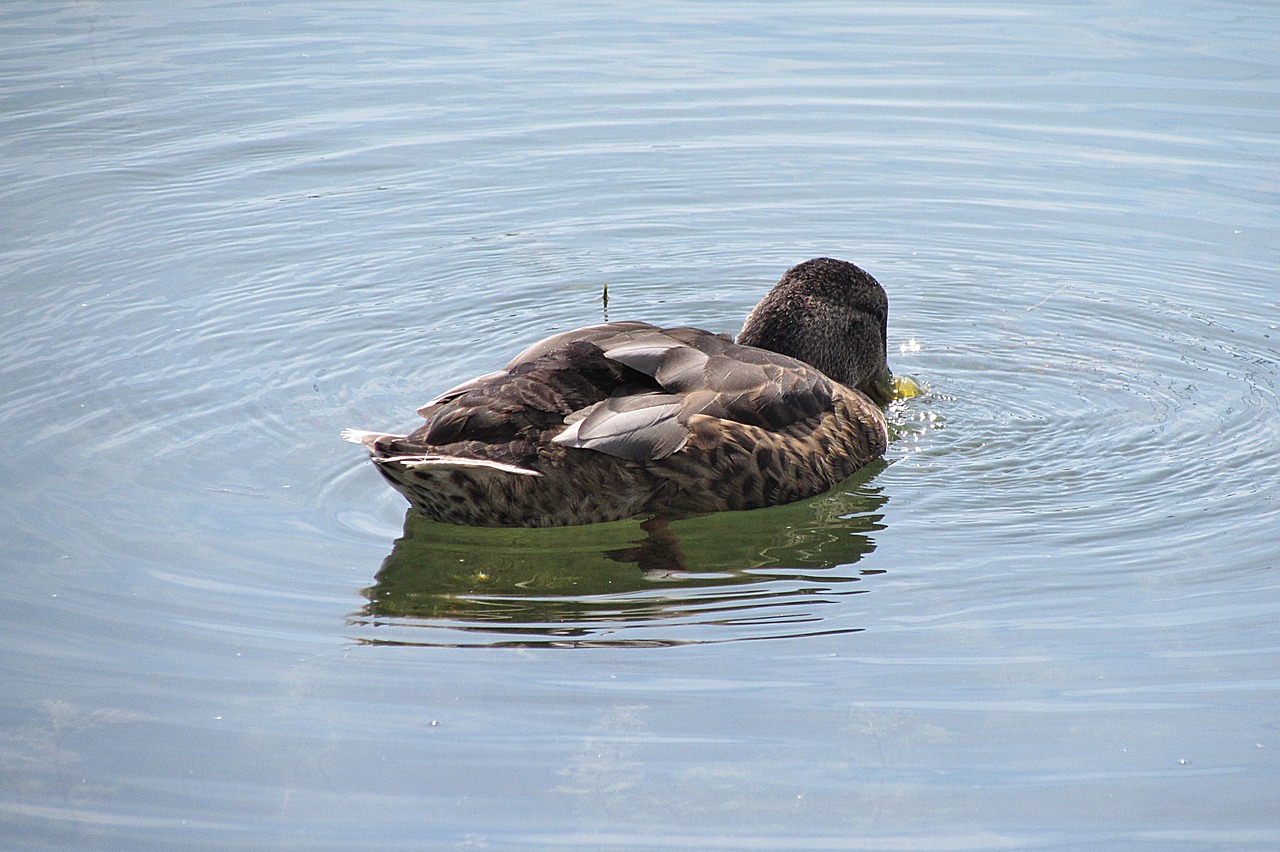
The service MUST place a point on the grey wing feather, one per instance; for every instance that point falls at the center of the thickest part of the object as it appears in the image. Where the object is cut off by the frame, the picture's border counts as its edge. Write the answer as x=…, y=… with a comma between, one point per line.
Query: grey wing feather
x=590, y=333
x=671, y=362
x=458, y=390
x=639, y=427
x=699, y=373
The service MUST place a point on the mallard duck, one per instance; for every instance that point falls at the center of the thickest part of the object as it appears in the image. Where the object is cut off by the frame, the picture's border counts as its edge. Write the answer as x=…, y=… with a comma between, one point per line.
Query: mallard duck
x=626, y=419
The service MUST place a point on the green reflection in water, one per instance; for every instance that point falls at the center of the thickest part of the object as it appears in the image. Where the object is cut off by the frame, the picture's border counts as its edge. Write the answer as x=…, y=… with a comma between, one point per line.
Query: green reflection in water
x=746, y=575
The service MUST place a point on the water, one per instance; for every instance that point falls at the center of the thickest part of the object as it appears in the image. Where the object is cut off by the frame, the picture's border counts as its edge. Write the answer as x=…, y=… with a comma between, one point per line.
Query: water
x=229, y=231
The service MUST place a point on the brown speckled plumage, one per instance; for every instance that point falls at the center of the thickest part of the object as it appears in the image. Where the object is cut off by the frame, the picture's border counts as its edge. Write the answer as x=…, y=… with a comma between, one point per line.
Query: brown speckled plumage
x=626, y=419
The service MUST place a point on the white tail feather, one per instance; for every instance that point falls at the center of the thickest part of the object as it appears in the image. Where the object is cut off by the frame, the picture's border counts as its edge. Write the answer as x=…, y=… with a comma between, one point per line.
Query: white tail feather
x=457, y=462
x=362, y=436
x=366, y=438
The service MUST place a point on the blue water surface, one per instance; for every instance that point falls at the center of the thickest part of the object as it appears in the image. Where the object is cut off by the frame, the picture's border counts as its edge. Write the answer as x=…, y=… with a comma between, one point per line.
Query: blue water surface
x=228, y=231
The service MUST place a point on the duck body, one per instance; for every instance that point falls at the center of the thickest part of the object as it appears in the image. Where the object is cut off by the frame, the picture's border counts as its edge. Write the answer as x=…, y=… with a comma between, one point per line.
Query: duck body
x=626, y=419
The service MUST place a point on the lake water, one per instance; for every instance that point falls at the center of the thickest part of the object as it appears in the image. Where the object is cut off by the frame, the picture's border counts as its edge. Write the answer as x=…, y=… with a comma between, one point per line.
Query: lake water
x=1050, y=619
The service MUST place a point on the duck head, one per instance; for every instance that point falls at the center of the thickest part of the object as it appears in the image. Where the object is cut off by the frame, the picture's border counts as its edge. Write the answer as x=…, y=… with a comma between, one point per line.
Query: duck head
x=831, y=315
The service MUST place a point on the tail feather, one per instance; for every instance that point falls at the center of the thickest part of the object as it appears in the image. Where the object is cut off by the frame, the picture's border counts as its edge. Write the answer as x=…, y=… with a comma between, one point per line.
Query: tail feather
x=458, y=463
x=427, y=461
x=365, y=437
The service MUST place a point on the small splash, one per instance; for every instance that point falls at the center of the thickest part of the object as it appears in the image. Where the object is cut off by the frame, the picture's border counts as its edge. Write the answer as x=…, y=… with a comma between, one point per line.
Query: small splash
x=910, y=415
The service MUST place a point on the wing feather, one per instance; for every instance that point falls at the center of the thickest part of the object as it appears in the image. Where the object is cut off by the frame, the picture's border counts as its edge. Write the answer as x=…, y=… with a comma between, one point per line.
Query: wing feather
x=639, y=427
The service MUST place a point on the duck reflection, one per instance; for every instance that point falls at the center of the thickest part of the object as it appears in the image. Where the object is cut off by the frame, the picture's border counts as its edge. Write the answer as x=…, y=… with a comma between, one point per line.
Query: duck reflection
x=732, y=575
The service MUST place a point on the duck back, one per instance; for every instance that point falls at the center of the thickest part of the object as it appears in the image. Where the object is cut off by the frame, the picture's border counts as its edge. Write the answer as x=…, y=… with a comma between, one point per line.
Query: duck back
x=626, y=419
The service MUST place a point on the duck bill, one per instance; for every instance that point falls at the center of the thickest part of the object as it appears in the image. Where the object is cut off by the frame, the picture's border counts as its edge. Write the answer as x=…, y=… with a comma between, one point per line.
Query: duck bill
x=879, y=387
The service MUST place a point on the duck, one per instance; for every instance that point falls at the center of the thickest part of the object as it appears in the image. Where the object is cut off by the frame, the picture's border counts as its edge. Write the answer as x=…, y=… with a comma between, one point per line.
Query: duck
x=627, y=419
